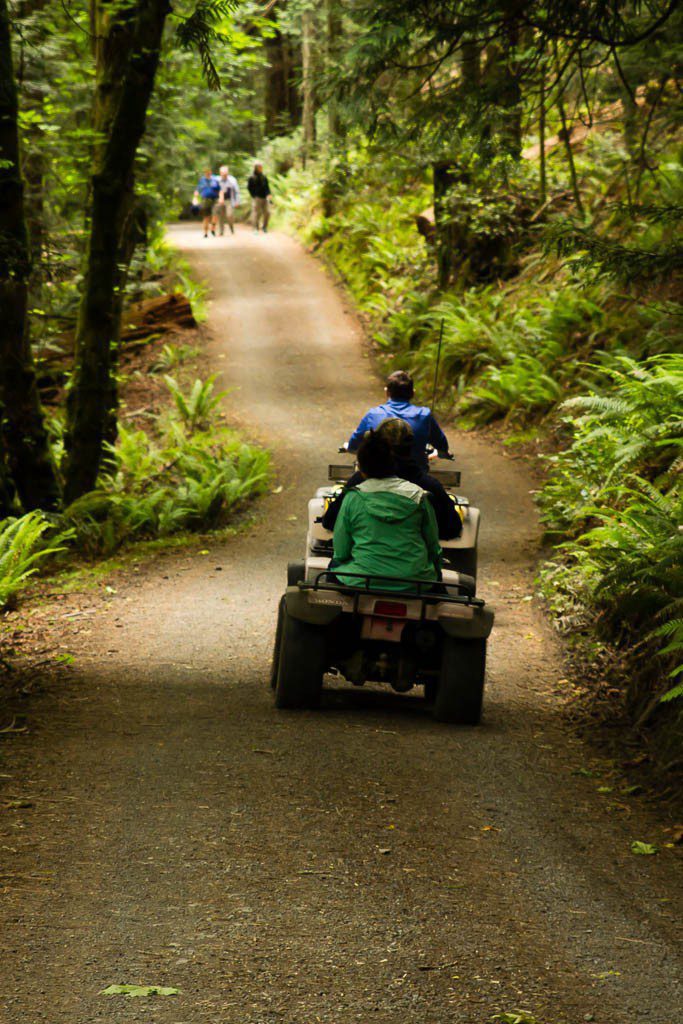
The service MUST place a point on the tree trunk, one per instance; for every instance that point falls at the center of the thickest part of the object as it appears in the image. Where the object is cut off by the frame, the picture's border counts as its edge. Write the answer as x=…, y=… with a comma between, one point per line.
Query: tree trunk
x=7, y=488
x=32, y=90
x=23, y=429
x=281, y=100
x=630, y=122
x=333, y=55
x=130, y=56
x=34, y=173
x=541, y=138
x=444, y=176
x=307, y=84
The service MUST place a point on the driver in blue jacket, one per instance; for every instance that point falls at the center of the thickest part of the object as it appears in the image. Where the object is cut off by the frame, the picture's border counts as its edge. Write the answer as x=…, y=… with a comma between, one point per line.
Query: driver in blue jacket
x=399, y=390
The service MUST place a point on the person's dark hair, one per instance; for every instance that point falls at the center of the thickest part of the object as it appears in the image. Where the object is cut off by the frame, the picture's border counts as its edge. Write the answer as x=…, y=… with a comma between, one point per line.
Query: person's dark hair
x=375, y=457
x=400, y=385
x=399, y=436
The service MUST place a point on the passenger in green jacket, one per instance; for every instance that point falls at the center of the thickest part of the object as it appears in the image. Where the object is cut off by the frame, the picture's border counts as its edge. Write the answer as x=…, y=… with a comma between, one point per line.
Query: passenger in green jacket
x=386, y=526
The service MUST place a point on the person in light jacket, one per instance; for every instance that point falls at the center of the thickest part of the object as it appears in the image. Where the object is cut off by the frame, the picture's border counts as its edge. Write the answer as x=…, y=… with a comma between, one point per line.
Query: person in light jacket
x=228, y=199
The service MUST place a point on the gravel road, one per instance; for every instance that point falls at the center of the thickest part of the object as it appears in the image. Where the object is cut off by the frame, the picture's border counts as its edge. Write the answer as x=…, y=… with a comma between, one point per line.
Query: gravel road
x=360, y=863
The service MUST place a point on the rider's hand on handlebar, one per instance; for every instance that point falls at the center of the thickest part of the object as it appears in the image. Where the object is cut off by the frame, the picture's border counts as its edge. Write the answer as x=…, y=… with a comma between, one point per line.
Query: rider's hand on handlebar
x=432, y=453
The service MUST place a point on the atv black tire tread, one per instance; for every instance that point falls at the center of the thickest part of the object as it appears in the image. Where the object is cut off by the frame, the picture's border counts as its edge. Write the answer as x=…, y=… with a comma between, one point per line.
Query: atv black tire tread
x=276, y=646
x=301, y=664
x=460, y=694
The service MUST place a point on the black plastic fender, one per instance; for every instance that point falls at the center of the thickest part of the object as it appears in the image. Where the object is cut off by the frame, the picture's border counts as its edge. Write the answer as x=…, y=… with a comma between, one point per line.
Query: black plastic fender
x=477, y=628
x=299, y=607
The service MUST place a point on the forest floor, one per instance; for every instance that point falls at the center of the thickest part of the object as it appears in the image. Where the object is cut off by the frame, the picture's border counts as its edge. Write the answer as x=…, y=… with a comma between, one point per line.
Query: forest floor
x=164, y=825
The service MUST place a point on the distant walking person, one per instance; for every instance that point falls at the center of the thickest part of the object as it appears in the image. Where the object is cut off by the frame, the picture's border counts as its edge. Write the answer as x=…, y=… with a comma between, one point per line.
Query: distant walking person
x=228, y=199
x=259, y=190
x=207, y=193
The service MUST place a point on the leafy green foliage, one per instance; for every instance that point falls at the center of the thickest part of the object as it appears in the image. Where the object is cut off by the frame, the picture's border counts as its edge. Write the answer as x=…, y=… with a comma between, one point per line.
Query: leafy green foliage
x=515, y=1017
x=199, y=30
x=643, y=849
x=23, y=549
x=196, y=408
x=616, y=491
x=137, y=991
x=191, y=480
x=171, y=356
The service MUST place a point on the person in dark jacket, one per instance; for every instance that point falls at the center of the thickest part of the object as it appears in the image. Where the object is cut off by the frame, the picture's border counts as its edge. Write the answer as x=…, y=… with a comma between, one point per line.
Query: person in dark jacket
x=399, y=434
x=259, y=190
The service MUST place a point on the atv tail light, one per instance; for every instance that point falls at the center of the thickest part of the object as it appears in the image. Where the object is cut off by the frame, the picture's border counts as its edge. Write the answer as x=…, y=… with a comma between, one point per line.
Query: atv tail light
x=390, y=609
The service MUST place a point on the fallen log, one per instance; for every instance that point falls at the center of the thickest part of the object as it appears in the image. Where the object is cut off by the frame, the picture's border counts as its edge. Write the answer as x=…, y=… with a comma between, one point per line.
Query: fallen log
x=156, y=316
x=142, y=320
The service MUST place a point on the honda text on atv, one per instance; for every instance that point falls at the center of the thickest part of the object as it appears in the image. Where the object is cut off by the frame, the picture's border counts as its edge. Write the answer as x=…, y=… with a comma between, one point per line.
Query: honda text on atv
x=428, y=635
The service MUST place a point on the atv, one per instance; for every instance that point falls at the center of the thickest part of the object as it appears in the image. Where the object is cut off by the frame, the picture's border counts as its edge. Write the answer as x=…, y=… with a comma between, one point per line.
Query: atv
x=429, y=635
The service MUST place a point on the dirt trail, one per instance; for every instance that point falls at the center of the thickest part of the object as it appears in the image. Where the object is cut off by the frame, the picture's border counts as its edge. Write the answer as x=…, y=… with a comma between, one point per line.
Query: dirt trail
x=357, y=864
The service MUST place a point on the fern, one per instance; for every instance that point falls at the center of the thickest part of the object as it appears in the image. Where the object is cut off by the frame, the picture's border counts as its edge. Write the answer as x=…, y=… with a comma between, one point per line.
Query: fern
x=198, y=31
x=23, y=548
x=196, y=408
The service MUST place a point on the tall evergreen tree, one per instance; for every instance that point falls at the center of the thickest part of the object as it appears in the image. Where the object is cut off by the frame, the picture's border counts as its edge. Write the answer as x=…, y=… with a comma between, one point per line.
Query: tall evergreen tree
x=23, y=430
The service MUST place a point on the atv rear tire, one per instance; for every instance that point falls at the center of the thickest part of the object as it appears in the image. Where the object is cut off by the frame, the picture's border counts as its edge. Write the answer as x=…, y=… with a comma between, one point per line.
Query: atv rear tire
x=301, y=664
x=278, y=642
x=462, y=560
x=295, y=571
x=460, y=694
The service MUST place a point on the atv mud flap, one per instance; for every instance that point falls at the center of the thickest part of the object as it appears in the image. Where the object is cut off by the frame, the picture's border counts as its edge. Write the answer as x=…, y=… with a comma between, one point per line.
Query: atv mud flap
x=475, y=626
x=318, y=614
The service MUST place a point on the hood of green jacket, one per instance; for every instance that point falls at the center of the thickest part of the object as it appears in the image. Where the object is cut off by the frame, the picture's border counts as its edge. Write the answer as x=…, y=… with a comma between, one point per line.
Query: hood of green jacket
x=391, y=500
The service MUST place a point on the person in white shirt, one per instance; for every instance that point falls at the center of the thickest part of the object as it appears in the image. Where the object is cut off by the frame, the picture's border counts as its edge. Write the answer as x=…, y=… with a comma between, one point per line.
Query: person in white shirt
x=228, y=199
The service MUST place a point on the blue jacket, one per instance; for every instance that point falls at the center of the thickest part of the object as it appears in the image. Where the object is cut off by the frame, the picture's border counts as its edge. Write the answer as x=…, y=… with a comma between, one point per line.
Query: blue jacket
x=425, y=428
x=208, y=188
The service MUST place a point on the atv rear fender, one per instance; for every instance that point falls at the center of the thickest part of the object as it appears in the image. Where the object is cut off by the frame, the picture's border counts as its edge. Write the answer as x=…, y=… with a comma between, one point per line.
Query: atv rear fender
x=469, y=622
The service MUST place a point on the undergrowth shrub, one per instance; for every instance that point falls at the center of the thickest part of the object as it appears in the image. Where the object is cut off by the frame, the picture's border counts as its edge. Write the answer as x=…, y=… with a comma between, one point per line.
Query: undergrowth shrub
x=24, y=547
x=188, y=480
x=189, y=474
x=615, y=493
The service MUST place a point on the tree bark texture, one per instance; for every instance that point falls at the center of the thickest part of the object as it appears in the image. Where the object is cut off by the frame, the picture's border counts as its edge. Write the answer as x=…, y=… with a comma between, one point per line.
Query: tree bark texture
x=130, y=57
x=334, y=35
x=307, y=84
x=282, y=99
x=541, y=138
x=444, y=176
x=23, y=430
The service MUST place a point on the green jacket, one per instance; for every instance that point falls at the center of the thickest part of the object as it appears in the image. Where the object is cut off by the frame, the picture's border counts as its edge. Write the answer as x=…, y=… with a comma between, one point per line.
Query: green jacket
x=387, y=528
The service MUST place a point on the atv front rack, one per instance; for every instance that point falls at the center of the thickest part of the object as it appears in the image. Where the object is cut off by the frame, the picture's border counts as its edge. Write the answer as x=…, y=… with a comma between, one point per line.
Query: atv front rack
x=424, y=589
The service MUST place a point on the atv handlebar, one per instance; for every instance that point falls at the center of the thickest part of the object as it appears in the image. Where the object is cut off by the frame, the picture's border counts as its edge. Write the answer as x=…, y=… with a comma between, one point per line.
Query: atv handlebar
x=432, y=453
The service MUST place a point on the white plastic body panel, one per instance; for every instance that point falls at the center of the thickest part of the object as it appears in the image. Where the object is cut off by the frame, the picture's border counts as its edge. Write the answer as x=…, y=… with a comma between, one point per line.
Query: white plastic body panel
x=315, y=563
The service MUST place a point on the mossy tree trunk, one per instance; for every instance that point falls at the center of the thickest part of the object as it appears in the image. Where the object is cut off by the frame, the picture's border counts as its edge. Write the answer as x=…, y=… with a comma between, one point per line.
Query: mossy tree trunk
x=334, y=50
x=282, y=101
x=128, y=48
x=307, y=83
x=24, y=437
x=445, y=175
